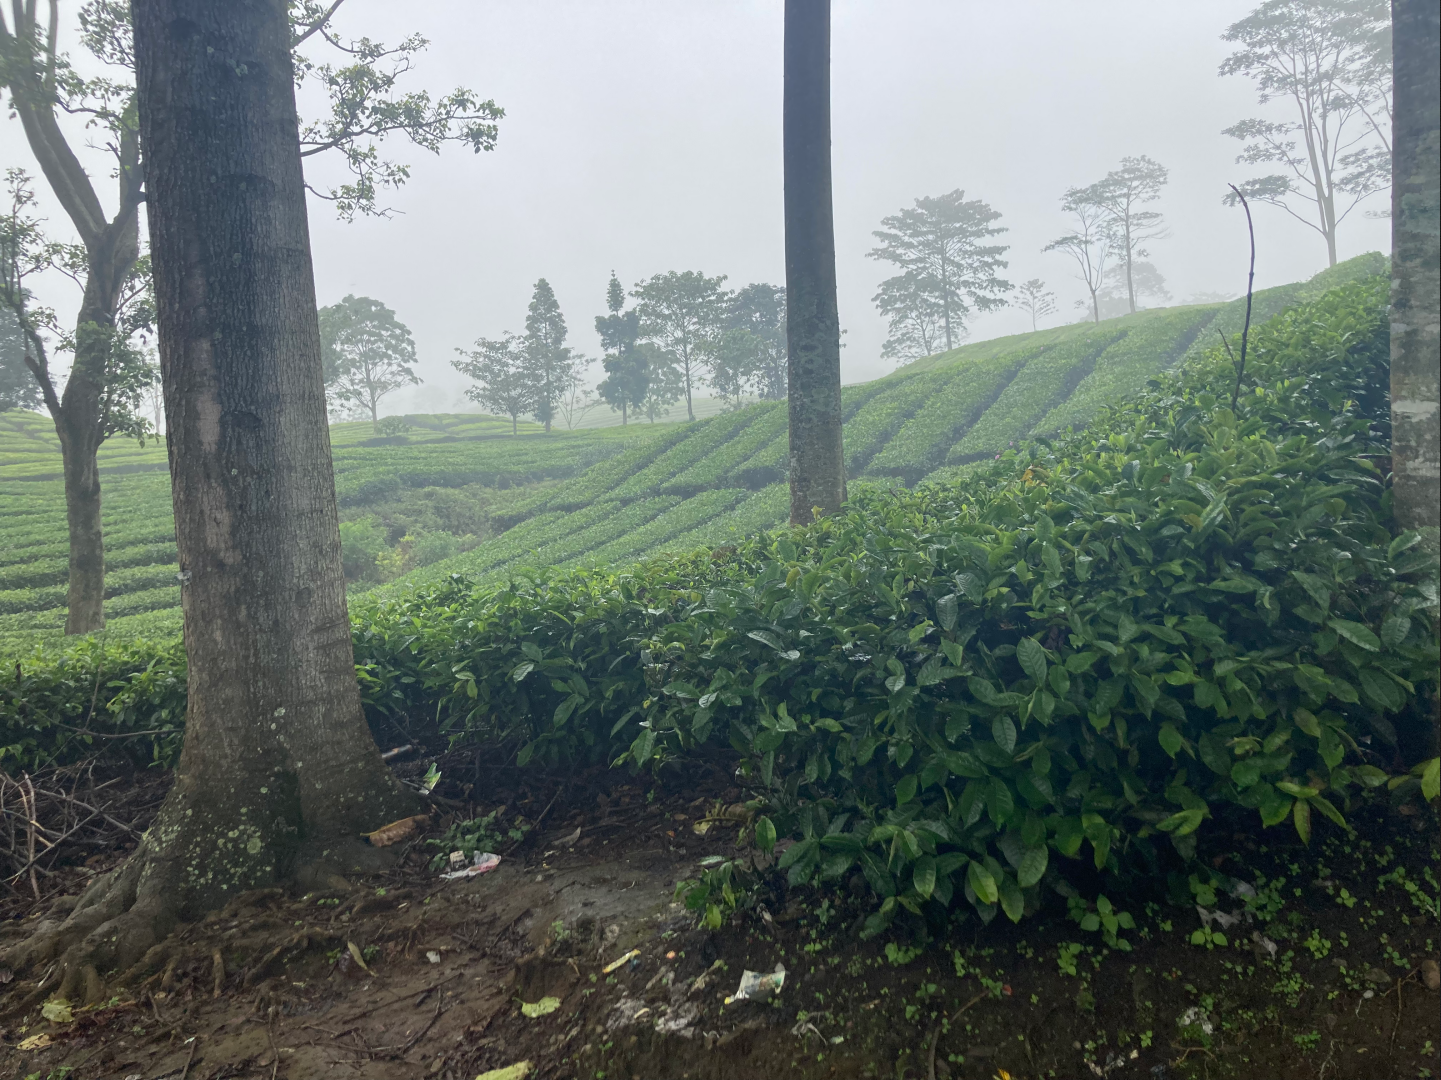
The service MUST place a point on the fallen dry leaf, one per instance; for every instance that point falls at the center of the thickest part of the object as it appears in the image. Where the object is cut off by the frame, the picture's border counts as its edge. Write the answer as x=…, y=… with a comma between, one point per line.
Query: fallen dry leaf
x=57, y=1010
x=35, y=1042
x=396, y=831
x=355, y=955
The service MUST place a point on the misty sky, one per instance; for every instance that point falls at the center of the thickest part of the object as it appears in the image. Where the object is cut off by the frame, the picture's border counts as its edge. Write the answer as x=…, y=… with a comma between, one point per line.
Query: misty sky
x=646, y=136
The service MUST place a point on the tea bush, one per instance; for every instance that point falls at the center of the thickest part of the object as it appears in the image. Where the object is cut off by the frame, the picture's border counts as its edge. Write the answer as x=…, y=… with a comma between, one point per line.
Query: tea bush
x=1082, y=651
x=1147, y=350
x=923, y=440
x=875, y=422
x=1037, y=388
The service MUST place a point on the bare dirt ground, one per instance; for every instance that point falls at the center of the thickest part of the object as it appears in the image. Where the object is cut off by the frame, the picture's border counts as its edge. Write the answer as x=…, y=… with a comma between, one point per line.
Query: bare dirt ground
x=407, y=975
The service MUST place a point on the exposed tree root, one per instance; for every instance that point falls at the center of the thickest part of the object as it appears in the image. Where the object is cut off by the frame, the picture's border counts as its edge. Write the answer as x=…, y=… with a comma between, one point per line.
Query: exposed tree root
x=118, y=932
x=115, y=922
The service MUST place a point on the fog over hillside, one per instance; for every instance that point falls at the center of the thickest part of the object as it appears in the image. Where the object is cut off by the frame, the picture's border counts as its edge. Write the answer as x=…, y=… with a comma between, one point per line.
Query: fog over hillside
x=646, y=136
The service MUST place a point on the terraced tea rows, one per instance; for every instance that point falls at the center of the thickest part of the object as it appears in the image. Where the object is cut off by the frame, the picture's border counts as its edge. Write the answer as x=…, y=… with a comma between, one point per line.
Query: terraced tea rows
x=611, y=495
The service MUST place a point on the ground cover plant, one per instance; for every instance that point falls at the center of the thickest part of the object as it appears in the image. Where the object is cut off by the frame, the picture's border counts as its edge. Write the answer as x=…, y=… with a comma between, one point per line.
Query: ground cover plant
x=1088, y=651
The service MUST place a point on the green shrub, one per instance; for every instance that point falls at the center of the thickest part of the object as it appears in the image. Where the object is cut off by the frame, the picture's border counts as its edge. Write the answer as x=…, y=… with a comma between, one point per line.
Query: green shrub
x=769, y=420
x=702, y=438
x=1122, y=370
x=1081, y=654
x=1084, y=650
x=923, y=440
x=875, y=422
x=431, y=547
x=50, y=701
x=360, y=544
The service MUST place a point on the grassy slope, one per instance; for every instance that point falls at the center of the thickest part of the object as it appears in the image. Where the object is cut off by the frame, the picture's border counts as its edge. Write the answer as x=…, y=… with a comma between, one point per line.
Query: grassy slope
x=602, y=495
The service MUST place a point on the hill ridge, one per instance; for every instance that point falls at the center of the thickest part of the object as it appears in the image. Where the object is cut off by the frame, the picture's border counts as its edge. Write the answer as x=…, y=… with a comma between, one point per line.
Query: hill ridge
x=616, y=493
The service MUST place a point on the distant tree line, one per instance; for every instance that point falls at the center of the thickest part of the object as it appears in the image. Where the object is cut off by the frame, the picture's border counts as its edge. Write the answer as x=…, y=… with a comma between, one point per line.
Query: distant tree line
x=1325, y=63
x=684, y=331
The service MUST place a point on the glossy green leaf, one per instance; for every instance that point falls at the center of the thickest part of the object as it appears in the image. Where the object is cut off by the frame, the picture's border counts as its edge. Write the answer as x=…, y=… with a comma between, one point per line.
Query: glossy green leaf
x=982, y=883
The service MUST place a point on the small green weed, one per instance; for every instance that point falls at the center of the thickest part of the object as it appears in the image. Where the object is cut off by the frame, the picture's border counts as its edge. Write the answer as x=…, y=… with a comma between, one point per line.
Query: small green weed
x=901, y=955
x=1209, y=938
x=1105, y=919
x=477, y=834
x=1318, y=946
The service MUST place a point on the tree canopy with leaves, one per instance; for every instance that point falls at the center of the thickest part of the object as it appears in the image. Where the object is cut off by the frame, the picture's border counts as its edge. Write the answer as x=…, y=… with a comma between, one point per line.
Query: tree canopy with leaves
x=627, y=370
x=680, y=312
x=915, y=318
x=1035, y=300
x=550, y=363
x=366, y=106
x=947, y=265
x=1121, y=290
x=500, y=371
x=1122, y=194
x=1089, y=243
x=1328, y=63
x=368, y=354
x=750, y=352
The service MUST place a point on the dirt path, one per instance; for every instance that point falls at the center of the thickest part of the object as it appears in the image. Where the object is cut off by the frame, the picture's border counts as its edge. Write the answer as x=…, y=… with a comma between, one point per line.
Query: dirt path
x=409, y=976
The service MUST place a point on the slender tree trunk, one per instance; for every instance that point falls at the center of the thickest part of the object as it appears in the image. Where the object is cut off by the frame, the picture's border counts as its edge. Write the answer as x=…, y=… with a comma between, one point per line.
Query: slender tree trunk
x=813, y=335
x=1416, y=267
x=689, y=411
x=80, y=424
x=945, y=299
x=1130, y=282
x=85, y=595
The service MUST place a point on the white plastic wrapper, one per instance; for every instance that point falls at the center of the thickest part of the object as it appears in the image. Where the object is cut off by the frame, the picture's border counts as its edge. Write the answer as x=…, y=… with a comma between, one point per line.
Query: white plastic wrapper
x=482, y=863
x=759, y=987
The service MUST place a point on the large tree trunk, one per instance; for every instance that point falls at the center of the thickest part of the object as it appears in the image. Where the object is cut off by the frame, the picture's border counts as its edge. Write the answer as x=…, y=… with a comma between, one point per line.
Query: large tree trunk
x=1415, y=266
x=813, y=334
x=278, y=776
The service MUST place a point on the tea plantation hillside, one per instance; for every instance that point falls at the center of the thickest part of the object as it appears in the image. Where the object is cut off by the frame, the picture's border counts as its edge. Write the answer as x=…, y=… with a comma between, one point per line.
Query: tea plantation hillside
x=455, y=493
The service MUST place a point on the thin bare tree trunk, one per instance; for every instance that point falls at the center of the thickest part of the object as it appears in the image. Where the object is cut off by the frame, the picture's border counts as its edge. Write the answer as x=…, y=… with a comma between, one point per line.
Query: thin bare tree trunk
x=817, y=460
x=85, y=593
x=111, y=249
x=1415, y=266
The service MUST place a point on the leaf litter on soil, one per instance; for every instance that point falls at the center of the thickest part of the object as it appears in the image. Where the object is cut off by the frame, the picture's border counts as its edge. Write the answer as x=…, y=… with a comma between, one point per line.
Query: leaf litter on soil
x=344, y=975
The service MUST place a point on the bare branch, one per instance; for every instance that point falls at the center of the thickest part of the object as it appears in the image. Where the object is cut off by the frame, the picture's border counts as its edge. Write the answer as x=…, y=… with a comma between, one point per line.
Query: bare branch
x=315, y=26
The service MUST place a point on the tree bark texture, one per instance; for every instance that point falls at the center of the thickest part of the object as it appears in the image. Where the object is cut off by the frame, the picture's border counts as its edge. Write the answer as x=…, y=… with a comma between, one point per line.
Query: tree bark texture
x=1416, y=265
x=813, y=336
x=80, y=422
x=278, y=776
x=85, y=593
x=111, y=247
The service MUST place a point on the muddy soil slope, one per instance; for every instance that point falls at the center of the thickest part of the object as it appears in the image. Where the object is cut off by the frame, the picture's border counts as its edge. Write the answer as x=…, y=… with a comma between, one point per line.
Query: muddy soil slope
x=574, y=956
